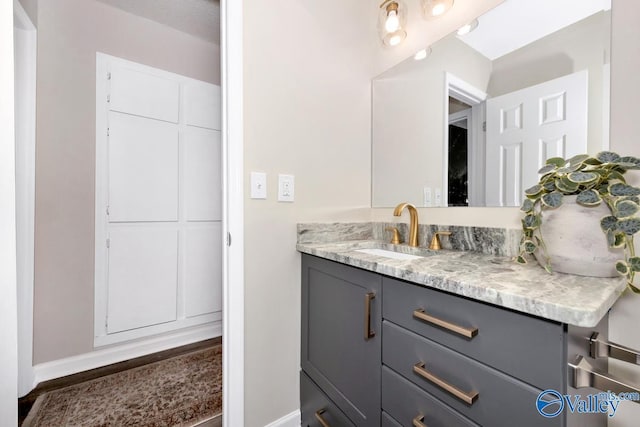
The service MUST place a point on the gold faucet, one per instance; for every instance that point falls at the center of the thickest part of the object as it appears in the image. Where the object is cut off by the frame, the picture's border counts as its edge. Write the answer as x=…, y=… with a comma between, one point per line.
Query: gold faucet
x=413, y=216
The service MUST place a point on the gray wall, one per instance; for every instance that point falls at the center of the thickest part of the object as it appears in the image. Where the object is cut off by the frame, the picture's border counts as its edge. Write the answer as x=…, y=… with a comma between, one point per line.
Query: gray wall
x=69, y=34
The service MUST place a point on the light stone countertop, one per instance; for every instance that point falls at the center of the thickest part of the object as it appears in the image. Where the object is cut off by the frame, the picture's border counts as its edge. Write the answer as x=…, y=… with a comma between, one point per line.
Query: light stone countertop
x=575, y=300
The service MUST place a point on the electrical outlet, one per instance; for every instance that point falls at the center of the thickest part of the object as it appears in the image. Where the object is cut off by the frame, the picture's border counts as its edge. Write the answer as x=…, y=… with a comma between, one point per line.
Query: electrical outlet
x=285, y=188
x=258, y=185
x=438, y=197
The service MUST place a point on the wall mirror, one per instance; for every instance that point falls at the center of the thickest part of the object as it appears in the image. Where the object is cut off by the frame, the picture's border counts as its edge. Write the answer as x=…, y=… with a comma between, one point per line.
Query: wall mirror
x=471, y=124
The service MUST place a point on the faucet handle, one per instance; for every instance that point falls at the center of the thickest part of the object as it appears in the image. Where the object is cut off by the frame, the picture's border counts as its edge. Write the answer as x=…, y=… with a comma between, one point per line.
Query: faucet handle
x=395, y=240
x=435, y=240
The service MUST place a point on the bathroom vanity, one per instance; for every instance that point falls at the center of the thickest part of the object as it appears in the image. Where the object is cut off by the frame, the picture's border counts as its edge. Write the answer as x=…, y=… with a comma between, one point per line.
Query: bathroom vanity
x=448, y=338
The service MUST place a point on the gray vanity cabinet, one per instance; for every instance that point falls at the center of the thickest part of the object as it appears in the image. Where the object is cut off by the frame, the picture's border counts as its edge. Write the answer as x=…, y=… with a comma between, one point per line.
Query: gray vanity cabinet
x=416, y=356
x=341, y=340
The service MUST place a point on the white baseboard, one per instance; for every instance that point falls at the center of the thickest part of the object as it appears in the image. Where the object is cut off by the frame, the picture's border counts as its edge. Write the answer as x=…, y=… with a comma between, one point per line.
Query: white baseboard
x=290, y=420
x=119, y=353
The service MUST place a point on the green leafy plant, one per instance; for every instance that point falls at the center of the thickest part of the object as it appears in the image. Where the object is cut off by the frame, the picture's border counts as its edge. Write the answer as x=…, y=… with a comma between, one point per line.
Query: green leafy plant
x=594, y=180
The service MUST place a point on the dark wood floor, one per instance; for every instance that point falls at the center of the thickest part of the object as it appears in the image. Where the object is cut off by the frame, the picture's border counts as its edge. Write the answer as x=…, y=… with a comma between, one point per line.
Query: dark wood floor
x=25, y=403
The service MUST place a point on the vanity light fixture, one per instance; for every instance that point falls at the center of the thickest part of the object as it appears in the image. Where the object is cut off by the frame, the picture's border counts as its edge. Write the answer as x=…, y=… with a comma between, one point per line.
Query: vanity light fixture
x=466, y=29
x=390, y=22
x=435, y=8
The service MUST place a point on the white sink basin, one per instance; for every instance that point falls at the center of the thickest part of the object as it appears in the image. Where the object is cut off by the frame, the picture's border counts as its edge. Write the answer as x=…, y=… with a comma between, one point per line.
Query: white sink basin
x=388, y=254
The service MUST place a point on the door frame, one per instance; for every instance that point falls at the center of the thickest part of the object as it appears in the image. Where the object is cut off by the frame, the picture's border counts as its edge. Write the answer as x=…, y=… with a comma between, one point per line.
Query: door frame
x=463, y=91
x=231, y=49
x=8, y=269
x=25, y=124
x=233, y=280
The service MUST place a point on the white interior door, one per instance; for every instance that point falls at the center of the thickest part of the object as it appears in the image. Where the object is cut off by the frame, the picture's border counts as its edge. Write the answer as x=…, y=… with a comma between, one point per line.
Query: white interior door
x=528, y=126
x=158, y=202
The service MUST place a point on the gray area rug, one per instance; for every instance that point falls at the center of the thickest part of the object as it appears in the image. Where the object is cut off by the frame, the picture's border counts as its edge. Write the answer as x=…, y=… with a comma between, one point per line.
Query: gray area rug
x=181, y=391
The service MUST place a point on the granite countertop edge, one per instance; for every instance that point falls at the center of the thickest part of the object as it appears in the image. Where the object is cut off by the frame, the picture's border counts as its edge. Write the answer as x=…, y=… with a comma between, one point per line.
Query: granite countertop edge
x=565, y=298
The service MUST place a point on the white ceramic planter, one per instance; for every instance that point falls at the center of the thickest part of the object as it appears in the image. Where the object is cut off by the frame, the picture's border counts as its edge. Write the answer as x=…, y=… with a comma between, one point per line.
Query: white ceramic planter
x=575, y=242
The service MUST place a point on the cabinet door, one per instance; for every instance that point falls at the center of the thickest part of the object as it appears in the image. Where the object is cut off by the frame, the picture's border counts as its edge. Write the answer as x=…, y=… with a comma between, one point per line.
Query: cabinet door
x=341, y=336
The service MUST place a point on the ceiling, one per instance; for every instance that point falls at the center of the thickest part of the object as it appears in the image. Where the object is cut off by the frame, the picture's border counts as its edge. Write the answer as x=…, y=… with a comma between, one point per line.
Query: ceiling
x=516, y=23
x=200, y=18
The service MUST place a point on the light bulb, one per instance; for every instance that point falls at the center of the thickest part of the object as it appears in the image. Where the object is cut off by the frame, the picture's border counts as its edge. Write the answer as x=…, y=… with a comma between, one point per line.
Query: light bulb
x=395, y=40
x=390, y=23
x=393, y=22
x=438, y=9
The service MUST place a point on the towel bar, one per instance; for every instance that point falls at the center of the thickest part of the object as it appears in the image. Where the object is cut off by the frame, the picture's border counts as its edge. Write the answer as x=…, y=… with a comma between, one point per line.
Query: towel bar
x=582, y=374
x=599, y=349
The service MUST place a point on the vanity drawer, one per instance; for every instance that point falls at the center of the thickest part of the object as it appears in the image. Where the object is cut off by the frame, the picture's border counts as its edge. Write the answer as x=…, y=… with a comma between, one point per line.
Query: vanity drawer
x=388, y=421
x=524, y=346
x=500, y=399
x=314, y=404
x=405, y=401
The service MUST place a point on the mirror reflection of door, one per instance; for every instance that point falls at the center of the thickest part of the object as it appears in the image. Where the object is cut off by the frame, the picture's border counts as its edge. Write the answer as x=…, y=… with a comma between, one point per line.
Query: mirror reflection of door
x=464, y=145
x=526, y=127
x=459, y=139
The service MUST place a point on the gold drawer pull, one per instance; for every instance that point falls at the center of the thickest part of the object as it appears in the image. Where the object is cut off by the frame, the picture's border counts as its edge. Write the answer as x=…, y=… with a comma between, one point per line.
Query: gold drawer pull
x=418, y=421
x=320, y=419
x=368, y=333
x=461, y=330
x=466, y=397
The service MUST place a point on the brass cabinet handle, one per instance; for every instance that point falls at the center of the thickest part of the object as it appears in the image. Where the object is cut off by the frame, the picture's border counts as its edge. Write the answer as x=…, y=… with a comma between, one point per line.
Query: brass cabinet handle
x=461, y=330
x=418, y=421
x=368, y=333
x=320, y=419
x=466, y=397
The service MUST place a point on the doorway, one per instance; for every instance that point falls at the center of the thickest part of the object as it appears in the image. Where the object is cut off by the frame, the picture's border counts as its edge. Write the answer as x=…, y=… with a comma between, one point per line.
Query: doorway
x=458, y=164
x=464, y=144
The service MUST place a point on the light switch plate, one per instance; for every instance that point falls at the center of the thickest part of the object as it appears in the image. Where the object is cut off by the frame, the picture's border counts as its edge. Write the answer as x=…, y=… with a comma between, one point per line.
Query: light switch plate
x=285, y=188
x=427, y=197
x=258, y=185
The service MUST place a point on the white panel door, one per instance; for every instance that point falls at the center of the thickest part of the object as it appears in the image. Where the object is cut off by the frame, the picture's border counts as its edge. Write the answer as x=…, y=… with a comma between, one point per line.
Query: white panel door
x=143, y=169
x=144, y=93
x=143, y=278
x=203, y=177
x=203, y=270
x=202, y=105
x=528, y=126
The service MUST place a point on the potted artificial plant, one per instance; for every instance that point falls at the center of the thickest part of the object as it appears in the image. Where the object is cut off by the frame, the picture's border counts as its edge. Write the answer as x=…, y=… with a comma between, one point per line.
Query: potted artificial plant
x=556, y=227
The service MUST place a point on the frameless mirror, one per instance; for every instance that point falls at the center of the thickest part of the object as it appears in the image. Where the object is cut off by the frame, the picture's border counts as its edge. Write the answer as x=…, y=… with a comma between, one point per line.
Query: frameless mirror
x=471, y=124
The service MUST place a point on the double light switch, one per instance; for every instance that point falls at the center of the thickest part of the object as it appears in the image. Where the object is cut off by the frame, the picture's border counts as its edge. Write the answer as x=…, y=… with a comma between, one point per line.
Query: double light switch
x=286, y=186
